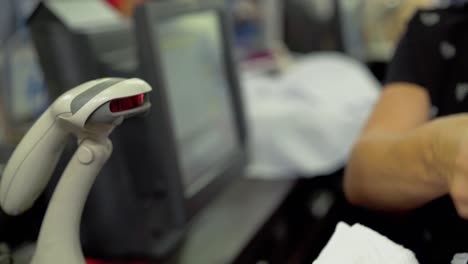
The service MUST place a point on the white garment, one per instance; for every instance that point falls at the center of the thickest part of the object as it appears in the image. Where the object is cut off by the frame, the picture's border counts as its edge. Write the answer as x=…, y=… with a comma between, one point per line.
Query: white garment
x=361, y=245
x=306, y=121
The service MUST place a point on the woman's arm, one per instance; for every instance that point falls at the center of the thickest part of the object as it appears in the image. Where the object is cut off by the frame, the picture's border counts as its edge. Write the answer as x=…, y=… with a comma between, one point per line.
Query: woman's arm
x=392, y=165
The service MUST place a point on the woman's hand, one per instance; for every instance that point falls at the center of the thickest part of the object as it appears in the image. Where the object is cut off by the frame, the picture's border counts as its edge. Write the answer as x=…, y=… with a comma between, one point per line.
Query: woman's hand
x=449, y=161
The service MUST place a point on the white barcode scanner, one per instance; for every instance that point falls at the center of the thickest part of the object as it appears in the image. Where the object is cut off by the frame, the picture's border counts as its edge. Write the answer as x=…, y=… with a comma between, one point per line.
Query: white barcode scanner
x=89, y=112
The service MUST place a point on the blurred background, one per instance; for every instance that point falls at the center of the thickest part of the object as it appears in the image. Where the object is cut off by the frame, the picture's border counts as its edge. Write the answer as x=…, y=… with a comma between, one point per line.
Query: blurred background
x=364, y=29
x=308, y=71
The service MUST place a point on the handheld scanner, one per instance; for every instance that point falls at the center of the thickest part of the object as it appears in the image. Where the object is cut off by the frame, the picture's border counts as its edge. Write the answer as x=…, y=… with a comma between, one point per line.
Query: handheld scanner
x=90, y=110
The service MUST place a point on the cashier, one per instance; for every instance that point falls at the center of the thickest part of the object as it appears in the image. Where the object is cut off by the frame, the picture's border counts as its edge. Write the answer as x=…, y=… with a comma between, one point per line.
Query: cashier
x=414, y=149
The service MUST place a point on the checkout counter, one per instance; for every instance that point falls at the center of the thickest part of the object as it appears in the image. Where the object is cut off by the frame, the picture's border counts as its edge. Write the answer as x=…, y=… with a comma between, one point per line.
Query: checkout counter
x=244, y=220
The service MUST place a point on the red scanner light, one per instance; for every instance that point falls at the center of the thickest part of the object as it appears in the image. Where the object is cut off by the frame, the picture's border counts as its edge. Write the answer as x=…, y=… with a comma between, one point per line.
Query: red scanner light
x=125, y=104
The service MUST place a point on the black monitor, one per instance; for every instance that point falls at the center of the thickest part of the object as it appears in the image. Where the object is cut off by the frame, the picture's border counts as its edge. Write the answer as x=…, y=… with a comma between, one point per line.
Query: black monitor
x=171, y=163
x=186, y=55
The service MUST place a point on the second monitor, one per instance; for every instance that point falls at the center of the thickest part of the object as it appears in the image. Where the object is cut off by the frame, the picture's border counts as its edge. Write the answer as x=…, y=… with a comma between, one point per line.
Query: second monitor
x=199, y=96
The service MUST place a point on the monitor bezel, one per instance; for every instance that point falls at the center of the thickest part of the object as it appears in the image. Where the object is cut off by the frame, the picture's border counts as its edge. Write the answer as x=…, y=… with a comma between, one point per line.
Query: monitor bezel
x=146, y=18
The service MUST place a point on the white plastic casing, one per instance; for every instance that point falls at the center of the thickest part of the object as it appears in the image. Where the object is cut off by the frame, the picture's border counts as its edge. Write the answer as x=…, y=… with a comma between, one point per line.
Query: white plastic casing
x=30, y=167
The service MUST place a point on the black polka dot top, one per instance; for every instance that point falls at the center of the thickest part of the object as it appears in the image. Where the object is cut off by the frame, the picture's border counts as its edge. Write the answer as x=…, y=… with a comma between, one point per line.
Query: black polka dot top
x=433, y=53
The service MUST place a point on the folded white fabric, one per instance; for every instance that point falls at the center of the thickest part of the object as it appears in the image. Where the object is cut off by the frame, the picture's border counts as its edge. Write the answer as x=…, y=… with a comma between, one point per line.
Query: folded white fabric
x=361, y=245
x=306, y=121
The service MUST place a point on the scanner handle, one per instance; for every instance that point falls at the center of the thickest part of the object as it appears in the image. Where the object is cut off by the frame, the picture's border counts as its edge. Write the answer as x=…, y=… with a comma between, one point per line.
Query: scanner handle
x=59, y=238
x=31, y=166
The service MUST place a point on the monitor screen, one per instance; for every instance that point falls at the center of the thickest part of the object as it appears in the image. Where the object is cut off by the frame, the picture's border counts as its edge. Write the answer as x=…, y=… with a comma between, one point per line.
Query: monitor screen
x=200, y=101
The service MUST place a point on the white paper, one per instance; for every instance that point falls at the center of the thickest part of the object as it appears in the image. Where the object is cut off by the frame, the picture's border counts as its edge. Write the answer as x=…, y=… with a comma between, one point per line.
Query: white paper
x=361, y=245
x=461, y=258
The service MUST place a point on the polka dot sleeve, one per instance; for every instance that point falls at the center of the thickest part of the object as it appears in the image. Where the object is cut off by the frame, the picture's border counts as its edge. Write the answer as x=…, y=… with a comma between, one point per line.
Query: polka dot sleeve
x=419, y=57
